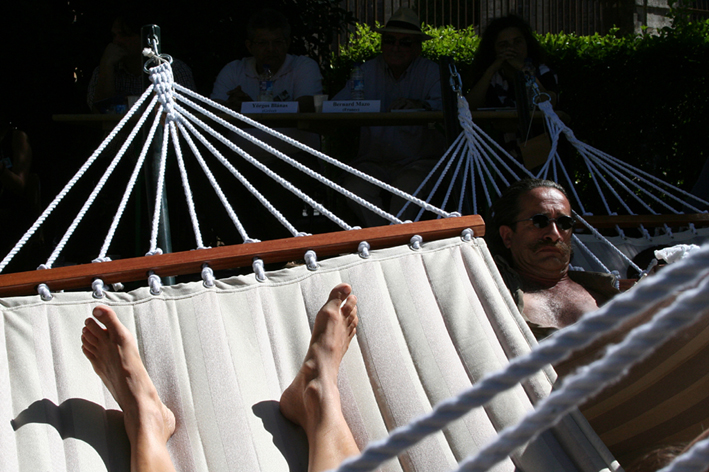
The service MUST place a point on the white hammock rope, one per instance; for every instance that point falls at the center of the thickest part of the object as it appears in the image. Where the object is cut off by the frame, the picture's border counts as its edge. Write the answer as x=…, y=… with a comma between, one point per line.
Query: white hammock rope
x=186, y=187
x=618, y=167
x=178, y=118
x=683, y=275
x=243, y=180
x=591, y=379
x=301, y=146
x=259, y=165
x=283, y=182
x=82, y=170
x=452, y=151
x=131, y=184
x=94, y=193
x=160, y=189
x=694, y=460
x=215, y=185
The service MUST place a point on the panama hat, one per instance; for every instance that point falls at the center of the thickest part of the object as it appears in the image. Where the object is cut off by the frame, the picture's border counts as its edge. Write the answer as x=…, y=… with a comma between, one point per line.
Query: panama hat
x=406, y=21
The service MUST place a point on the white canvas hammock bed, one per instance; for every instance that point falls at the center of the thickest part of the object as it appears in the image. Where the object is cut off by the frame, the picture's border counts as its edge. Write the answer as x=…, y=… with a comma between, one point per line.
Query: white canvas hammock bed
x=435, y=318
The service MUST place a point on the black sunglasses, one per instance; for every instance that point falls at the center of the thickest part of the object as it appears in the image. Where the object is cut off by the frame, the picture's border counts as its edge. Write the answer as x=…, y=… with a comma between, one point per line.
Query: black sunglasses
x=403, y=42
x=540, y=221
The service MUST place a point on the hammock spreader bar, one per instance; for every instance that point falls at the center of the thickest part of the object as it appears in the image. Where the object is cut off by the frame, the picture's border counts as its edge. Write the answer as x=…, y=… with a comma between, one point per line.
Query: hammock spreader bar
x=240, y=255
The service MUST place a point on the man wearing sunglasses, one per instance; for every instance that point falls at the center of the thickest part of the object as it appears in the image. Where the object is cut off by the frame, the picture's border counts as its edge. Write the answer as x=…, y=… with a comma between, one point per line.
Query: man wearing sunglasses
x=529, y=234
x=401, y=79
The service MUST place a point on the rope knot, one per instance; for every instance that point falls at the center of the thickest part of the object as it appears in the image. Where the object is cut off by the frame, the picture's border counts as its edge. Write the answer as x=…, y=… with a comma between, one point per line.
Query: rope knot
x=97, y=287
x=259, y=270
x=43, y=290
x=207, y=276
x=363, y=249
x=311, y=260
x=102, y=259
x=467, y=235
x=155, y=283
x=415, y=242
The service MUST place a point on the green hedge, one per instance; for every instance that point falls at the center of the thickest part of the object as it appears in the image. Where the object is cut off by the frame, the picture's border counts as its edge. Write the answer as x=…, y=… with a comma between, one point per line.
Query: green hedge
x=641, y=98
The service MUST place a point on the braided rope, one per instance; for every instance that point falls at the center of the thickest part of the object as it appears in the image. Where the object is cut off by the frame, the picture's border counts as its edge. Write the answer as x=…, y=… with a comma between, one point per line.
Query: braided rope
x=44, y=293
x=213, y=181
x=298, y=145
x=97, y=287
x=243, y=180
x=311, y=260
x=453, y=150
x=306, y=170
x=159, y=191
x=591, y=379
x=94, y=193
x=363, y=249
x=60, y=196
x=186, y=186
x=654, y=290
x=207, y=276
x=155, y=283
x=259, y=271
x=263, y=168
x=694, y=460
x=599, y=156
x=131, y=185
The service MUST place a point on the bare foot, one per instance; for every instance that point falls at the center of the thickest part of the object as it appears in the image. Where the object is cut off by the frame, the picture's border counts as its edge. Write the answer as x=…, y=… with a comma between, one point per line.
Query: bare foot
x=313, y=399
x=114, y=356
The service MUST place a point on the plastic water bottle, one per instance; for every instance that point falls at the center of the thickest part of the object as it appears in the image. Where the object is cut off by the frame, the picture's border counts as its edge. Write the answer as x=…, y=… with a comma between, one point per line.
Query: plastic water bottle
x=357, y=83
x=265, y=87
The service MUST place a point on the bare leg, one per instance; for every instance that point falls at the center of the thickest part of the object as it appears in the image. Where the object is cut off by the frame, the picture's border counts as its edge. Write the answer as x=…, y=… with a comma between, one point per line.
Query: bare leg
x=313, y=400
x=114, y=356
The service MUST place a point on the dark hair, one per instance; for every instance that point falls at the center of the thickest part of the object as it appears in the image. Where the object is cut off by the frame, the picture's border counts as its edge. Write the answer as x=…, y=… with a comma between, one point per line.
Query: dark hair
x=485, y=54
x=656, y=459
x=505, y=211
x=268, y=19
x=132, y=20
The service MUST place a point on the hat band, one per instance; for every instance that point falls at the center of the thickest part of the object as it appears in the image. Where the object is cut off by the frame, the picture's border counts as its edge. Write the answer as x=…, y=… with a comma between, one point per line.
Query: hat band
x=403, y=25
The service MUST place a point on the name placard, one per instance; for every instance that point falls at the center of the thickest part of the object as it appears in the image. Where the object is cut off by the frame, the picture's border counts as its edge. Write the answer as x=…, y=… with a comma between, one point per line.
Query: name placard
x=351, y=106
x=269, y=107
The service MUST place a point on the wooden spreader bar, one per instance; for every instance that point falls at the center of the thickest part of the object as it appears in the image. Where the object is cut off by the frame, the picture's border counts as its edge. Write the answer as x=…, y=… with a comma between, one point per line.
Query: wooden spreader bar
x=652, y=221
x=230, y=257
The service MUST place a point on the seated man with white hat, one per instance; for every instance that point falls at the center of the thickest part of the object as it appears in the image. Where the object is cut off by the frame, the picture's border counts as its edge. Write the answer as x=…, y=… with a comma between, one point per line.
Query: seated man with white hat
x=398, y=155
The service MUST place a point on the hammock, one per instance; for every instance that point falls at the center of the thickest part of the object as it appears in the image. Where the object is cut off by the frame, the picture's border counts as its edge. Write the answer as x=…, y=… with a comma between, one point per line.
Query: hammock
x=435, y=319
x=476, y=169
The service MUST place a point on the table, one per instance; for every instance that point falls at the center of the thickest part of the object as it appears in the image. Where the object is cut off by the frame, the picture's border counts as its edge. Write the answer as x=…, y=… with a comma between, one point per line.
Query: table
x=323, y=123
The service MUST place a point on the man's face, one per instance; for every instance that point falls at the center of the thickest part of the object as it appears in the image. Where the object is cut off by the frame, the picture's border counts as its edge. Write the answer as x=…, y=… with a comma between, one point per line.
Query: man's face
x=544, y=252
x=269, y=47
x=399, y=49
x=125, y=38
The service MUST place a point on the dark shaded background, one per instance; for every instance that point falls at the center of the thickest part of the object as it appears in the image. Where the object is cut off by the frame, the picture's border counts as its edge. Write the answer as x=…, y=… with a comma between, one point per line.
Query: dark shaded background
x=50, y=48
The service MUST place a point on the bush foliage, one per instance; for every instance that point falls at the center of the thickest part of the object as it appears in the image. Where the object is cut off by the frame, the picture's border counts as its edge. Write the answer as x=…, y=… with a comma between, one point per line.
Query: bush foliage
x=642, y=98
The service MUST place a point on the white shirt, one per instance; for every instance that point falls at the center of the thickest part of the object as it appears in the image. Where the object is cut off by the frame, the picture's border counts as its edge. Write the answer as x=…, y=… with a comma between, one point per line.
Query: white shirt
x=400, y=144
x=299, y=76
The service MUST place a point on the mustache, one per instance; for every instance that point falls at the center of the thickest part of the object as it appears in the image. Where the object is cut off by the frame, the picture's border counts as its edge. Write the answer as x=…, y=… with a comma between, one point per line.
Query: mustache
x=561, y=245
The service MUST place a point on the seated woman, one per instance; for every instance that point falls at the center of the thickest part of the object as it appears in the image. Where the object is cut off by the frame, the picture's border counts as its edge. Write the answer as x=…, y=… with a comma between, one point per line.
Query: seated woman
x=507, y=48
x=507, y=56
x=312, y=400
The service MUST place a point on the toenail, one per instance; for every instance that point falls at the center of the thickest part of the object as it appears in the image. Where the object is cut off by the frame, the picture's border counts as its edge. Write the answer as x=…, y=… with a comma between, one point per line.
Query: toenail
x=97, y=312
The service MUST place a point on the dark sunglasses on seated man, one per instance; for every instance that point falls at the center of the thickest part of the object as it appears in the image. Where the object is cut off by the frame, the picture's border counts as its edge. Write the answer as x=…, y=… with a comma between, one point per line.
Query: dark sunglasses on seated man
x=541, y=221
x=403, y=42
